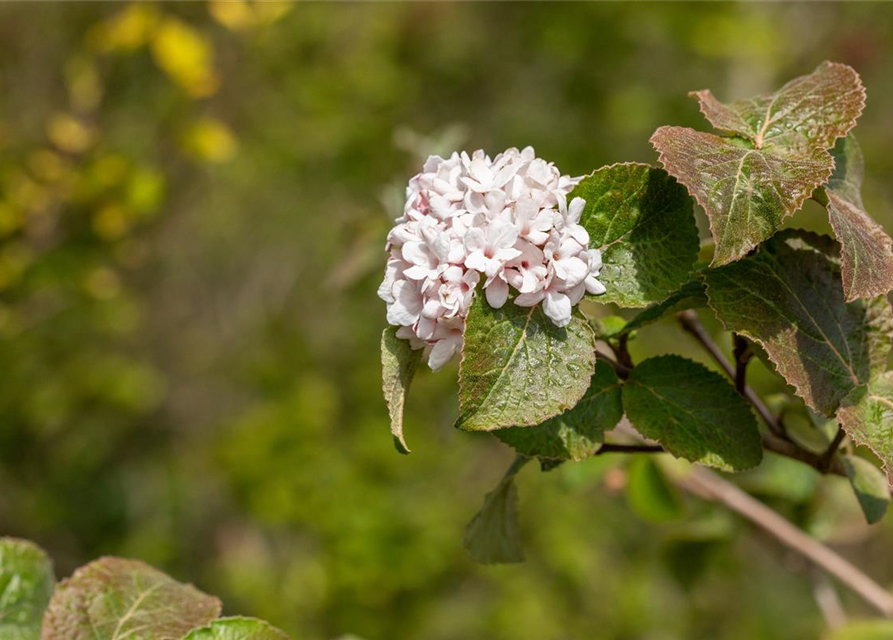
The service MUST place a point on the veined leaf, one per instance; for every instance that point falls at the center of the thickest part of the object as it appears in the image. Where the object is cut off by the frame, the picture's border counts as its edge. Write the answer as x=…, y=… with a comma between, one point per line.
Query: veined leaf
x=777, y=155
x=642, y=221
x=866, y=250
x=691, y=295
x=113, y=598
x=492, y=535
x=745, y=192
x=26, y=584
x=788, y=298
x=399, y=362
x=577, y=433
x=237, y=629
x=870, y=486
x=808, y=112
x=518, y=368
x=867, y=416
x=693, y=412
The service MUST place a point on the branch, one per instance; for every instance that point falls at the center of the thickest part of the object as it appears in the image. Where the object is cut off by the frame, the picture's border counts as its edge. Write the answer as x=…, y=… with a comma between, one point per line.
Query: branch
x=828, y=456
x=621, y=369
x=711, y=486
x=742, y=354
x=610, y=447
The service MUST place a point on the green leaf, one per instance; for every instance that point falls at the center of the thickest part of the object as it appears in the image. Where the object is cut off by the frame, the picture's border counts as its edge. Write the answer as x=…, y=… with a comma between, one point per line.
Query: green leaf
x=866, y=414
x=113, y=598
x=492, y=535
x=577, y=433
x=866, y=251
x=237, y=629
x=808, y=112
x=864, y=630
x=648, y=493
x=642, y=221
x=26, y=584
x=870, y=486
x=749, y=183
x=693, y=412
x=788, y=298
x=691, y=295
x=746, y=193
x=518, y=368
x=399, y=362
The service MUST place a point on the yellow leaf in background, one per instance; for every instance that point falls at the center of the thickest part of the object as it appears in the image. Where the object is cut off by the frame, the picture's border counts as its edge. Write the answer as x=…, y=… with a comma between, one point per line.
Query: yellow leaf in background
x=84, y=85
x=145, y=189
x=111, y=222
x=127, y=30
x=186, y=56
x=70, y=134
x=11, y=219
x=48, y=166
x=102, y=283
x=210, y=140
x=240, y=15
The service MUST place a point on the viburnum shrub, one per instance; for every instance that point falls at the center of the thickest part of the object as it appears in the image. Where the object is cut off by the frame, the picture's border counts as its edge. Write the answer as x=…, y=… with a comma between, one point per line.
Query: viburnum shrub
x=492, y=256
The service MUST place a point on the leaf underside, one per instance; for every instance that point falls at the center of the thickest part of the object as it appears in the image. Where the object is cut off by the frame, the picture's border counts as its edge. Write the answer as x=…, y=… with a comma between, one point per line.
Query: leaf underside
x=642, y=221
x=492, y=535
x=113, y=598
x=518, y=368
x=577, y=433
x=788, y=298
x=399, y=362
x=866, y=251
x=772, y=157
x=867, y=417
x=237, y=628
x=26, y=584
x=693, y=412
x=870, y=486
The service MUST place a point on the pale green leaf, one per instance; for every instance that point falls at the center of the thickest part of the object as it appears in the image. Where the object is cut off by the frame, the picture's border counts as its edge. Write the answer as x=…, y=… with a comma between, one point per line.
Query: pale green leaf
x=788, y=298
x=866, y=252
x=870, y=486
x=237, y=628
x=864, y=630
x=577, y=433
x=26, y=584
x=398, y=365
x=866, y=414
x=693, y=412
x=642, y=221
x=518, y=368
x=649, y=494
x=117, y=599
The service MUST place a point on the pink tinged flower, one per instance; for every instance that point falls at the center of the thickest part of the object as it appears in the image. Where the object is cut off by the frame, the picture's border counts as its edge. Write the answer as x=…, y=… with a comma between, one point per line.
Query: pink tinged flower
x=568, y=222
x=533, y=223
x=409, y=333
x=527, y=272
x=593, y=285
x=407, y=305
x=457, y=290
x=428, y=254
x=557, y=302
x=562, y=254
x=394, y=268
x=490, y=247
x=449, y=338
x=497, y=291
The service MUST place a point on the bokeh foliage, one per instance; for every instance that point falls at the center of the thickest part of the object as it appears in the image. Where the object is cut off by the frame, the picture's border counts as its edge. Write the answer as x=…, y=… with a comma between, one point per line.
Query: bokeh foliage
x=193, y=203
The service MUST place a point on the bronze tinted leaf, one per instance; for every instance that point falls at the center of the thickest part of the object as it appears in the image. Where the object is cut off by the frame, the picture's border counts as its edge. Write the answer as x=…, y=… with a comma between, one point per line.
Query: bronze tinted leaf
x=867, y=417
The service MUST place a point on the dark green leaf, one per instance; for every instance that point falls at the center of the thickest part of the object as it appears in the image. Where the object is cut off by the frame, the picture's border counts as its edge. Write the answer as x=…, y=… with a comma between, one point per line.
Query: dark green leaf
x=26, y=584
x=866, y=251
x=648, y=493
x=788, y=298
x=691, y=295
x=870, y=486
x=749, y=183
x=113, y=598
x=398, y=365
x=642, y=221
x=518, y=368
x=492, y=535
x=237, y=629
x=693, y=412
x=577, y=433
x=867, y=417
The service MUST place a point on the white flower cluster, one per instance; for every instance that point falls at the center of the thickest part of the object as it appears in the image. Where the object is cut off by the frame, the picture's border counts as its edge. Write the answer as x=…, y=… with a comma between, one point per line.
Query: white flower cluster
x=506, y=220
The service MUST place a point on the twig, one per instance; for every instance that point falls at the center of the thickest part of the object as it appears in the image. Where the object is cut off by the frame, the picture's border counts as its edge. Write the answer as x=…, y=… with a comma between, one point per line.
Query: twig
x=828, y=456
x=621, y=369
x=827, y=599
x=742, y=354
x=710, y=486
x=783, y=447
x=692, y=325
x=610, y=447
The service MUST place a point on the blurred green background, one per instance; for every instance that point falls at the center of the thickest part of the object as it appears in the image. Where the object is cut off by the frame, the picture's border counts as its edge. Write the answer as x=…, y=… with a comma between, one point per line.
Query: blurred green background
x=193, y=205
